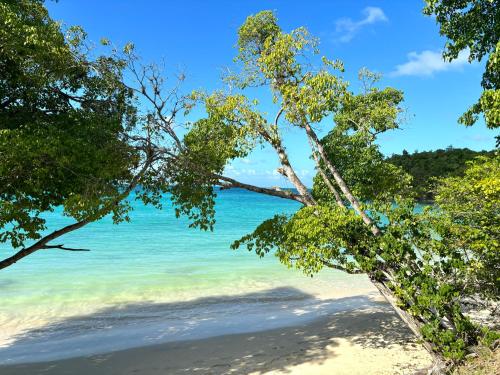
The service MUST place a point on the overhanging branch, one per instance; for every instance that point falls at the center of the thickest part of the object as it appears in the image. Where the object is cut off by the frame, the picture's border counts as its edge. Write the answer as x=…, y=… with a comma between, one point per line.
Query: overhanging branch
x=43, y=242
x=62, y=247
x=228, y=183
x=340, y=268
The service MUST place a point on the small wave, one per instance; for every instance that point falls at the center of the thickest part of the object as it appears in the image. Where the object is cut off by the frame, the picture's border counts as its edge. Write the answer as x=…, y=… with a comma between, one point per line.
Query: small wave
x=131, y=325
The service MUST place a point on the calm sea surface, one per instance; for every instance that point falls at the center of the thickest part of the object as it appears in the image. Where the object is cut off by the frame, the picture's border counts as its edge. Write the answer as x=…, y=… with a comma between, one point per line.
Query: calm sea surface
x=155, y=280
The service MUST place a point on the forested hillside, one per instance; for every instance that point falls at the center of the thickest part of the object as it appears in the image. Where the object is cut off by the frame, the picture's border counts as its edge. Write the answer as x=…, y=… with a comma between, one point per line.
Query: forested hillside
x=426, y=166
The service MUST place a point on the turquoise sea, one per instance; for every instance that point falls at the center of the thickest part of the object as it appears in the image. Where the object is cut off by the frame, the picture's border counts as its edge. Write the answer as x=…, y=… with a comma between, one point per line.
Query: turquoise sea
x=155, y=280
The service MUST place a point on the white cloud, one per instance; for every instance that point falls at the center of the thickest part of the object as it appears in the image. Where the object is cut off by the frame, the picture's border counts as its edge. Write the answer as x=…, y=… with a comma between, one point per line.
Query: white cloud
x=426, y=63
x=304, y=172
x=349, y=28
x=272, y=174
x=232, y=171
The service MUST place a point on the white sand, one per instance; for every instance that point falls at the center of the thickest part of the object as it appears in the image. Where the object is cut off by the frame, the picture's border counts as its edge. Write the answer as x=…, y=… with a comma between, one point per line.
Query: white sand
x=365, y=341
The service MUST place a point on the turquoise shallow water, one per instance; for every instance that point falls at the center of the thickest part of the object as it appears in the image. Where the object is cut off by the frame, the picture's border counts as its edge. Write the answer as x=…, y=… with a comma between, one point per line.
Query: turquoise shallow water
x=155, y=280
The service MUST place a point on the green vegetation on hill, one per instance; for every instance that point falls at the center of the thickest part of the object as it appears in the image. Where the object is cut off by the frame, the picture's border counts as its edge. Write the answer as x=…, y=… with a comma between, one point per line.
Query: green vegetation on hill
x=427, y=166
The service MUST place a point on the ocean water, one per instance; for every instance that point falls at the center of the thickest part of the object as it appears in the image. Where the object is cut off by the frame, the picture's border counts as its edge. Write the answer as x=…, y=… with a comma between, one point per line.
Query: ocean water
x=155, y=280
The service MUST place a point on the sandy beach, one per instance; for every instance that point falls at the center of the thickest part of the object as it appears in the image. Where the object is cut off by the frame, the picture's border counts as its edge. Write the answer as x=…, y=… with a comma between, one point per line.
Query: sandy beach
x=365, y=341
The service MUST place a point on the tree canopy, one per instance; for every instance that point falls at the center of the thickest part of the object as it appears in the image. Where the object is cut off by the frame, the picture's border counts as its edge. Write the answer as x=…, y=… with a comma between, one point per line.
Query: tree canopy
x=71, y=132
x=474, y=27
x=62, y=120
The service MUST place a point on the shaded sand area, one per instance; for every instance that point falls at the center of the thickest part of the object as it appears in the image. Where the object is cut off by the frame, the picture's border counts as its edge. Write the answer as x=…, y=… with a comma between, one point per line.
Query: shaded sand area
x=366, y=340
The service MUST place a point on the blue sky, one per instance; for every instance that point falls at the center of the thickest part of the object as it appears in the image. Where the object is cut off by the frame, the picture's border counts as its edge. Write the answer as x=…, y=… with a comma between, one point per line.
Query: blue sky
x=390, y=37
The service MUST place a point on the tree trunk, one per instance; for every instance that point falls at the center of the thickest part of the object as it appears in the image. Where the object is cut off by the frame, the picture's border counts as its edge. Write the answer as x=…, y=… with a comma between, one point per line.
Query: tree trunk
x=340, y=181
x=292, y=176
x=440, y=365
x=325, y=178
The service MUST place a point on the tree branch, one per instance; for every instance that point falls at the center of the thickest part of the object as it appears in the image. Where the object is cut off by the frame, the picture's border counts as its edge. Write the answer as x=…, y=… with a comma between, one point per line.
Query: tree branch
x=229, y=183
x=340, y=181
x=43, y=242
x=325, y=178
x=289, y=172
x=340, y=268
x=61, y=247
x=232, y=183
x=278, y=116
x=155, y=99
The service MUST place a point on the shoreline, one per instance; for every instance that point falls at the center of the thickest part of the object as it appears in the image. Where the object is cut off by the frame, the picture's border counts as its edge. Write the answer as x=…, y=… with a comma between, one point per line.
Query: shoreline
x=366, y=340
x=142, y=323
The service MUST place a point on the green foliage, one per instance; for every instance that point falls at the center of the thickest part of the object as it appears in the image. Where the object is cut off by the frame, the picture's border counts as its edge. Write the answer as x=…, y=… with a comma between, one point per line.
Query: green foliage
x=350, y=144
x=311, y=238
x=468, y=223
x=225, y=134
x=254, y=33
x=473, y=26
x=317, y=235
x=489, y=102
x=363, y=168
x=373, y=112
x=62, y=118
x=266, y=237
x=467, y=24
x=317, y=98
x=228, y=132
x=428, y=166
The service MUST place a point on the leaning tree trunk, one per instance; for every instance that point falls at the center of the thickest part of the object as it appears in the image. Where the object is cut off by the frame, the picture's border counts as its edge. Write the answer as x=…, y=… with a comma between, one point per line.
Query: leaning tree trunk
x=340, y=181
x=440, y=365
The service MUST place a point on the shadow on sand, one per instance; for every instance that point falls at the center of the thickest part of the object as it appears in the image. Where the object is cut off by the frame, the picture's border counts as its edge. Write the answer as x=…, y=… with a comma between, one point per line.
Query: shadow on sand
x=359, y=319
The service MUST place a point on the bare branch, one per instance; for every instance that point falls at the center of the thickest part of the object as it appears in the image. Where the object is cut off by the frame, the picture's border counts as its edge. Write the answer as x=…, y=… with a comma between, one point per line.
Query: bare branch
x=61, y=247
x=278, y=116
x=155, y=98
x=232, y=183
